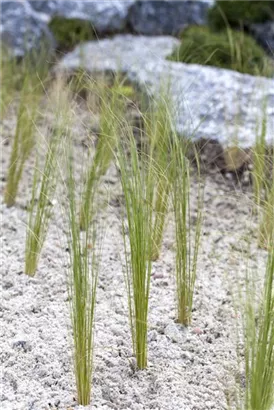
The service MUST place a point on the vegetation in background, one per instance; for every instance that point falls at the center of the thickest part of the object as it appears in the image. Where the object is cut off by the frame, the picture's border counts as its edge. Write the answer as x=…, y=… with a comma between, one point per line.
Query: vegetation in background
x=112, y=110
x=45, y=181
x=187, y=234
x=14, y=73
x=239, y=13
x=229, y=49
x=24, y=81
x=10, y=76
x=84, y=269
x=137, y=183
x=70, y=32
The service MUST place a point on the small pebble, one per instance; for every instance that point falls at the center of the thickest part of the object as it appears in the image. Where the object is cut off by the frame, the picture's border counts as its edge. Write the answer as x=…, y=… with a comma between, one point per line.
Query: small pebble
x=197, y=331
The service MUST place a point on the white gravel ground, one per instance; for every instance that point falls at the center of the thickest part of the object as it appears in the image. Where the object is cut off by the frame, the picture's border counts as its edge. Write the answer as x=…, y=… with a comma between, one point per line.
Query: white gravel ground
x=189, y=369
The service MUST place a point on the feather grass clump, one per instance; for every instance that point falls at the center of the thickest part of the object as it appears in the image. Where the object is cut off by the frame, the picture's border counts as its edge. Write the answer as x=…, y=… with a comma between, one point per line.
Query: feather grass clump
x=84, y=251
x=187, y=233
x=137, y=182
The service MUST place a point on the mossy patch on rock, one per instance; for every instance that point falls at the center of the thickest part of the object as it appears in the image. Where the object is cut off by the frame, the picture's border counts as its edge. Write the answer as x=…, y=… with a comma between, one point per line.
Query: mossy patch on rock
x=70, y=32
x=239, y=13
x=229, y=49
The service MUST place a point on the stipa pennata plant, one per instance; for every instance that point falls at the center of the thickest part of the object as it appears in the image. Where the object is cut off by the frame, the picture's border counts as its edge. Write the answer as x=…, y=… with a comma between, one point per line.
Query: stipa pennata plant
x=187, y=233
x=83, y=276
x=137, y=183
x=111, y=114
x=45, y=181
x=259, y=339
x=159, y=132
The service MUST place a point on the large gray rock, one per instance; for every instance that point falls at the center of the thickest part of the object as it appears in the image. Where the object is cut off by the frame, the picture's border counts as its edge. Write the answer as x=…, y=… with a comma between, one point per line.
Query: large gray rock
x=24, y=23
x=156, y=17
x=264, y=34
x=106, y=16
x=21, y=29
x=209, y=102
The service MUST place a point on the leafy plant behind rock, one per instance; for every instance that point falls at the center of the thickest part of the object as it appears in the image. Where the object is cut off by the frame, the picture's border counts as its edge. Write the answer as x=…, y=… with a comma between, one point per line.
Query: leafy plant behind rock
x=229, y=49
x=239, y=13
x=70, y=32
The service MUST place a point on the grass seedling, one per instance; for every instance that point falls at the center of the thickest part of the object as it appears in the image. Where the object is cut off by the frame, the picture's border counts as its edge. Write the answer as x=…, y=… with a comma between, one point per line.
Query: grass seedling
x=187, y=244
x=137, y=183
x=259, y=340
x=111, y=113
x=158, y=128
x=84, y=269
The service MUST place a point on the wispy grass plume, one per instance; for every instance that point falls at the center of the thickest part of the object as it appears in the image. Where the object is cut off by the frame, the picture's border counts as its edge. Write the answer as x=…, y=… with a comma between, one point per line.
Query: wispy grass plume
x=159, y=131
x=111, y=114
x=137, y=183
